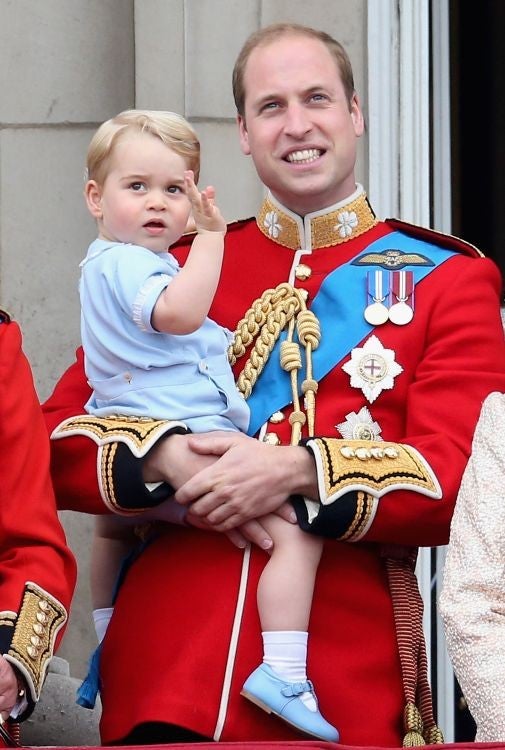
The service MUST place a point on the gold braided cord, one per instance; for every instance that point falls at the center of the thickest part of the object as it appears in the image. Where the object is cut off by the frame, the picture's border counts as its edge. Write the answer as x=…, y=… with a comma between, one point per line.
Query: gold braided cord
x=309, y=333
x=291, y=361
x=247, y=328
x=262, y=324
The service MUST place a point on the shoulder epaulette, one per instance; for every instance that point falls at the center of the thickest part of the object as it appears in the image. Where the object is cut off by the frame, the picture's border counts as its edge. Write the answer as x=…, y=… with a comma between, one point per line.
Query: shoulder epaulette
x=448, y=241
x=4, y=317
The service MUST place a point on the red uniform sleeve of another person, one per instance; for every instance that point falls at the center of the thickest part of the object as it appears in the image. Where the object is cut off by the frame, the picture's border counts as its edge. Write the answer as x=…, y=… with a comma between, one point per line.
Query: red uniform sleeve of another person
x=38, y=570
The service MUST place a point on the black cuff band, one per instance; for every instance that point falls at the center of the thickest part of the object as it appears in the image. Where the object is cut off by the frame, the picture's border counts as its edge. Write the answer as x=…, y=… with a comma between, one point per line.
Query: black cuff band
x=332, y=521
x=130, y=489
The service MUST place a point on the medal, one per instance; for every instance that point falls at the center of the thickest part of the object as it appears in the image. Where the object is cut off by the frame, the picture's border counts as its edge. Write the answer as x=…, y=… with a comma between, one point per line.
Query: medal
x=359, y=426
x=376, y=312
x=400, y=313
x=402, y=285
x=372, y=368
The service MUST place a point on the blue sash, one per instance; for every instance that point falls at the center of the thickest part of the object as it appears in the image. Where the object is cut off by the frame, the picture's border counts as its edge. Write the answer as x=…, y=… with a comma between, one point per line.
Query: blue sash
x=335, y=306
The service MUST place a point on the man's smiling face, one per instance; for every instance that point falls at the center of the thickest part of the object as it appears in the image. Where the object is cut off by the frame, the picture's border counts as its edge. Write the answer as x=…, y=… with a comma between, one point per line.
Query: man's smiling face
x=298, y=125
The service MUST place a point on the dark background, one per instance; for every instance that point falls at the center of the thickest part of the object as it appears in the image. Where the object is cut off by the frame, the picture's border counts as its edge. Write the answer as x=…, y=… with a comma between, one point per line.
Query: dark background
x=478, y=124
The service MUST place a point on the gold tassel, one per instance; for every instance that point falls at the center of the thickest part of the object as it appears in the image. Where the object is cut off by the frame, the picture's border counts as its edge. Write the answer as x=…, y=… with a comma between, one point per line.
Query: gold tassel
x=434, y=736
x=413, y=725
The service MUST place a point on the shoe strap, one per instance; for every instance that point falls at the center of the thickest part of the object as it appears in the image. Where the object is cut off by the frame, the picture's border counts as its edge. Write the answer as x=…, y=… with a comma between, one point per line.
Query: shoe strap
x=292, y=689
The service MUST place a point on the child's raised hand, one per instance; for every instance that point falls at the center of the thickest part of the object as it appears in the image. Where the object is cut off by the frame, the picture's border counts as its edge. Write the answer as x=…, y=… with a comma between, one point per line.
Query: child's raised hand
x=206, y=214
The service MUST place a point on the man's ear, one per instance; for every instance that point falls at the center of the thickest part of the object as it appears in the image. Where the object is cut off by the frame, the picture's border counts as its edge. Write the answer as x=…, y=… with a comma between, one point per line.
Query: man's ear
x=243, y=135
x=357, y=116
x=93, y=196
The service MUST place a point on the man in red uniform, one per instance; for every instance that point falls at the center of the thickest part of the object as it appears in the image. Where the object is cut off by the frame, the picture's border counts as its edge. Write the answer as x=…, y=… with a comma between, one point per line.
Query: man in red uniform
x=37, y=569
x=383, y=384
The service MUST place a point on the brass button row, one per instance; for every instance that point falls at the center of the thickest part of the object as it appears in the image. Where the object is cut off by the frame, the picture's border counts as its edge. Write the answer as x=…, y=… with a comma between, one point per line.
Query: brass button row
x=365, y=454
x=39, y=629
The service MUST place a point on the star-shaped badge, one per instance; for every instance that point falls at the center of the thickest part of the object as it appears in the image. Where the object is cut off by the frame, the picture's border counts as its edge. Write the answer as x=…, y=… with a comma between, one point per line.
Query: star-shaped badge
x=359, y=426
x=372, y=368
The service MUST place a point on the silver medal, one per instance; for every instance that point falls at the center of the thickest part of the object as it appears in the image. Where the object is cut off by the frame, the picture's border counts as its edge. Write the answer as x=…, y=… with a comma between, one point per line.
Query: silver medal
x=402, y=285
x=376, y=314
x=400, y=314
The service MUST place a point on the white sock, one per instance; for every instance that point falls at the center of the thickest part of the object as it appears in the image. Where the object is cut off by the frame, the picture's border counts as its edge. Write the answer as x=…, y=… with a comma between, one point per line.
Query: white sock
x=285, y=651
x=101, y=619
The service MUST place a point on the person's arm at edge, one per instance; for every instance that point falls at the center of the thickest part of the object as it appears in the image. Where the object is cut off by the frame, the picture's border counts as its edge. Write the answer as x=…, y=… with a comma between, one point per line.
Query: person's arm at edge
x=38, y=569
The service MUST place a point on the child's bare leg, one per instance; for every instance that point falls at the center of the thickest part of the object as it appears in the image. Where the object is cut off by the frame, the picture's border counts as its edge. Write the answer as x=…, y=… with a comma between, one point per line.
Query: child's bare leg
x=287, y=583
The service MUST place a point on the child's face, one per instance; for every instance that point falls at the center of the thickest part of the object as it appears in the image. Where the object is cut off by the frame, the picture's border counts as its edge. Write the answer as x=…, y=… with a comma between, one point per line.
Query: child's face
x=143, y=199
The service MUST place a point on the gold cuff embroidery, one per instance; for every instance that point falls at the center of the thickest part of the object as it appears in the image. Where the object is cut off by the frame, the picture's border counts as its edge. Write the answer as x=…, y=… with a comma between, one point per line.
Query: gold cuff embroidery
x=138, y=433
x=374, y=467
x=39, y=620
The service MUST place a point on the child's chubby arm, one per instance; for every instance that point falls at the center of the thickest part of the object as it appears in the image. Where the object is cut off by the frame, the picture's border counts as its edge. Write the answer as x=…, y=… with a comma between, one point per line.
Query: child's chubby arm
x=184, y=304
x=206, y=214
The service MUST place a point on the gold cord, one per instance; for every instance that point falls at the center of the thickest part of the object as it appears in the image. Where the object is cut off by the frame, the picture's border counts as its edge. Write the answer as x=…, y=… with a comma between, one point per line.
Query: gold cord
x=263, y=323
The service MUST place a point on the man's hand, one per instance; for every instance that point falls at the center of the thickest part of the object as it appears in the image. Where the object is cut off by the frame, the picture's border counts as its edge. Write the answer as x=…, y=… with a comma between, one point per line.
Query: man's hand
x=8, y=688
x=173, y=461
x=251, y=531
x=249, y=480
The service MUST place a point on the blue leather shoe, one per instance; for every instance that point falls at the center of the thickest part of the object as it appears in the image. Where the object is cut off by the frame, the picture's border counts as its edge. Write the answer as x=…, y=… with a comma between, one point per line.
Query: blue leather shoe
x=268, y=691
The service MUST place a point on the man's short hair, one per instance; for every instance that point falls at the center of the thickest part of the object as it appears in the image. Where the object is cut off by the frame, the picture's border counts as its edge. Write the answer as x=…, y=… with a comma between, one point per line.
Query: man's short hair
x=269, y=34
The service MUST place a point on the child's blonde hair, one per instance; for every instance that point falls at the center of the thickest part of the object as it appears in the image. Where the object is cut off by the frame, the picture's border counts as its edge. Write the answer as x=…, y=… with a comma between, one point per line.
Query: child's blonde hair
x=171, y=128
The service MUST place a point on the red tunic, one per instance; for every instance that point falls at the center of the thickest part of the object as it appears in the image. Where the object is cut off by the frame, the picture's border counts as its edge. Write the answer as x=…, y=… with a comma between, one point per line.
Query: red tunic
x=37, y=569
x=185, y=632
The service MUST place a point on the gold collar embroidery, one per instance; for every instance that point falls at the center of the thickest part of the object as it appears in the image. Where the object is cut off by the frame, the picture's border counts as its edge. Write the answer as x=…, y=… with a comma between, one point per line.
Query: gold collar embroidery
x=335, y=225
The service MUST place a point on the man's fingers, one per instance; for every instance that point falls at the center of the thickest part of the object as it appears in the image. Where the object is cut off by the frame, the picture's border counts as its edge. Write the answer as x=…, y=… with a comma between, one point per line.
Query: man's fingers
x=211, y=443
x=254, y=532
x=286, y=511
x=236, y=538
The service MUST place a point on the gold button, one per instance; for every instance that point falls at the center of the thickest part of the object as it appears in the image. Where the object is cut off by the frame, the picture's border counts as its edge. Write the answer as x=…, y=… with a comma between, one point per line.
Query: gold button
x=35, y=640
x=271, y=438
x=37, y=628
x=303, y=272
x=43, y=605
x=377, y=453
x=42, y=618
x=347, y=452
x=277, y=417
x=32, y=652
x=363, y=454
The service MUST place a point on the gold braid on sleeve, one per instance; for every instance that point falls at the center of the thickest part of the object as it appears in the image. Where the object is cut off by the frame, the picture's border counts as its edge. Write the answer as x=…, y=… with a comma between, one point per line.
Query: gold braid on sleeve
x=278, y=309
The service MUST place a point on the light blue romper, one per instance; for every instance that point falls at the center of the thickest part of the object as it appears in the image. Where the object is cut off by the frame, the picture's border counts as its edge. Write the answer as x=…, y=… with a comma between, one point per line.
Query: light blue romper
x=135, y=370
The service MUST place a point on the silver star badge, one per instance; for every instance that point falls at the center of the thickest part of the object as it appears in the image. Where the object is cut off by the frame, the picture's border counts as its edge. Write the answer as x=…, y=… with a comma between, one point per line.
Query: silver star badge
x=359, y=426
x=372, y=368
